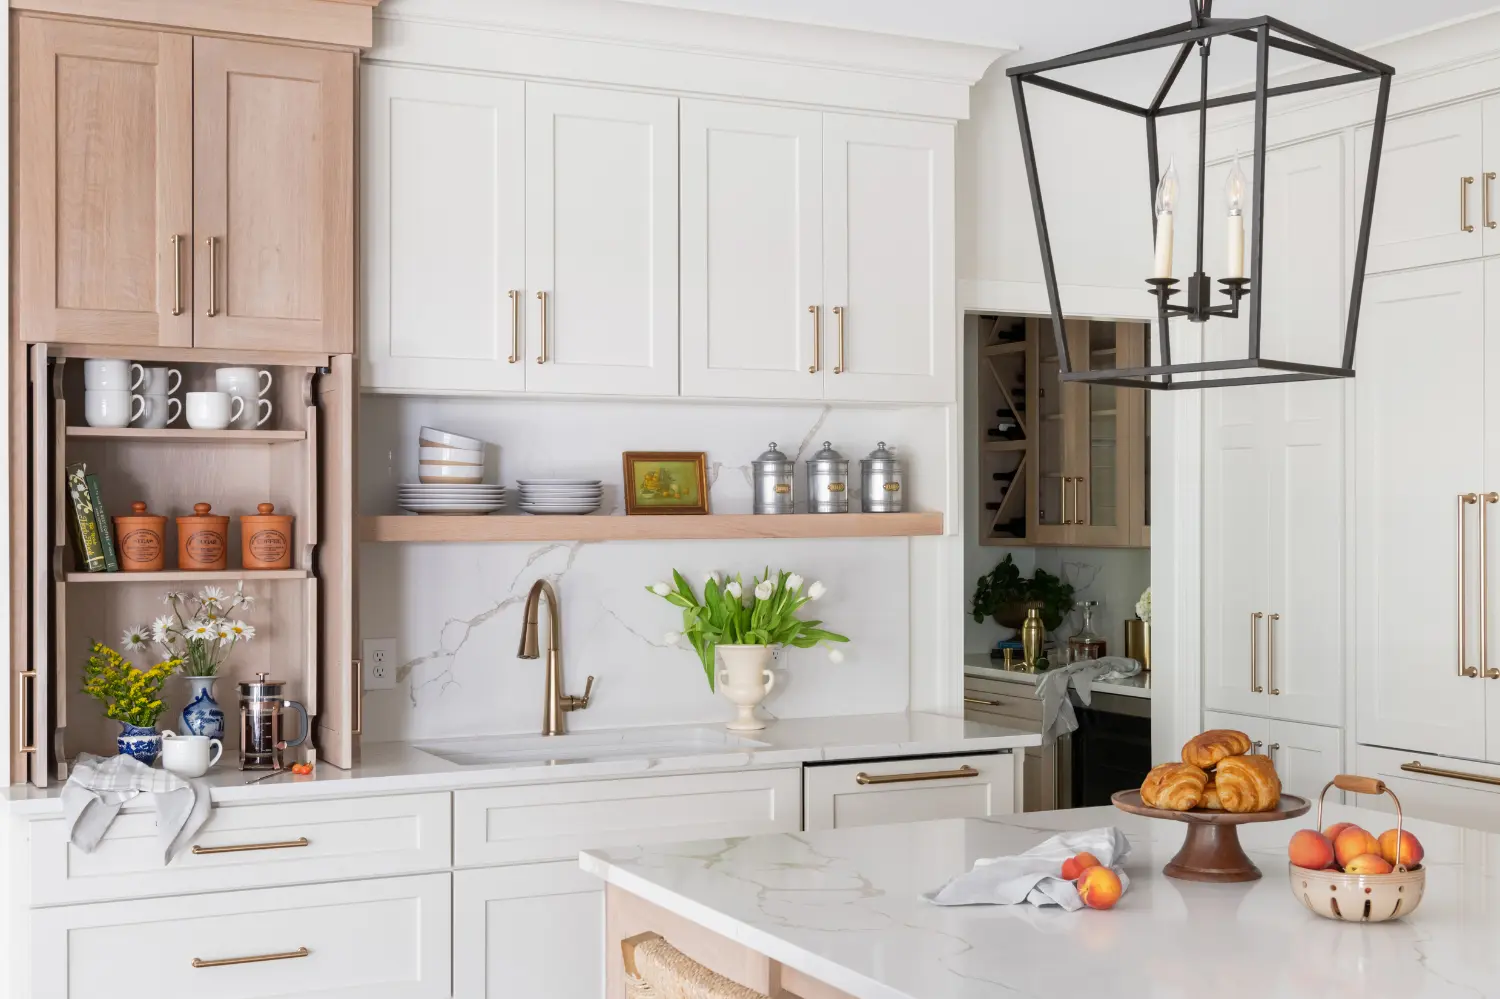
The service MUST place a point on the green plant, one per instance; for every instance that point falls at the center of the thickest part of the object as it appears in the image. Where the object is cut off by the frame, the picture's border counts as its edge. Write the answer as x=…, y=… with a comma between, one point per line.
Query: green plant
x=1004, y=584
x=129, y=695
x=728, y=615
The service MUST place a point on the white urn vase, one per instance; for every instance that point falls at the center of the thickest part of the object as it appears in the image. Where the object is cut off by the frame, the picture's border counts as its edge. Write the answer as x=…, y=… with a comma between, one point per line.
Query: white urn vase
x=746, y=679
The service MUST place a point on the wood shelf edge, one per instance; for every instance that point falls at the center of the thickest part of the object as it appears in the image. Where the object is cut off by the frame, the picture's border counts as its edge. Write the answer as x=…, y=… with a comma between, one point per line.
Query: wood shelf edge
x=520, y=527
x=185, y=575
x=186, y=435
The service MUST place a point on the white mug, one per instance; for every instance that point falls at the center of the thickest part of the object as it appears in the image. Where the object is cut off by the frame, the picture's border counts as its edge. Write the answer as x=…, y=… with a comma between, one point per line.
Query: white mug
x=250, y=406
x=155, y=381
x=111, y=408
x=212, y=410
x=188, y=755
x=242, y=381
x=107, y=374
x=158, y=412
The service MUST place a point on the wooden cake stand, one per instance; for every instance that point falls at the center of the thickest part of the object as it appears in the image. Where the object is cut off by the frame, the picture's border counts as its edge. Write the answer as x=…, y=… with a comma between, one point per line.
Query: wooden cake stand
x=1212, y=849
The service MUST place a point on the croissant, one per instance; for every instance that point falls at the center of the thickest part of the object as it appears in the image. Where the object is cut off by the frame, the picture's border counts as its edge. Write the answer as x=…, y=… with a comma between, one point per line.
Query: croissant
x=1208, y=749
x=1248, y=784
x=1210, y=795
x=1177, y=787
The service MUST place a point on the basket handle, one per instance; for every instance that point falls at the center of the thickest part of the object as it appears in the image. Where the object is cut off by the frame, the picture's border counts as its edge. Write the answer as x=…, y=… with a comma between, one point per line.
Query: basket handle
x=1359, y=785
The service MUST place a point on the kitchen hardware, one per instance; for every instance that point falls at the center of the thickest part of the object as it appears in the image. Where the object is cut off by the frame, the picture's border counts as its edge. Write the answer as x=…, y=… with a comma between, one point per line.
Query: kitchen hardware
x=141, y=539
x=775, y=485
x=515, y=327
x=542, y=297
x=1464, y=499
x=881, y=480
x=1416, y=767
x=1489, y=183
x=1255, y=687
x=213, y=287
x=828, y=481
x=817, y=363
x=1271, y=652
x=266, y=539
x=176, y=274
x=223, y=962
x=261, y=741
x=840, y=368
x=203, y=851
x=203, y=540
x=557, y=704
x=1464, y=224
x=863, y=778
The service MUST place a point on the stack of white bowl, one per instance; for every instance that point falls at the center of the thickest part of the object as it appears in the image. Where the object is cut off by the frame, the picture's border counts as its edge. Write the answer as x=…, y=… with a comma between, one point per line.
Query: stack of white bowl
x=576, y=496
x=451, y=473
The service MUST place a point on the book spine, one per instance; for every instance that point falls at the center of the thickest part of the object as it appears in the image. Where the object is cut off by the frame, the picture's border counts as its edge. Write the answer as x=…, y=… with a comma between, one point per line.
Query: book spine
x=85, y=528
x=101, y=520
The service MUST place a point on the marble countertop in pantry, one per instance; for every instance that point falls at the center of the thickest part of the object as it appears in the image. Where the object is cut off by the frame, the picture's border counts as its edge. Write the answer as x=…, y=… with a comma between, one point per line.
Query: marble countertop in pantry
x=981, y=665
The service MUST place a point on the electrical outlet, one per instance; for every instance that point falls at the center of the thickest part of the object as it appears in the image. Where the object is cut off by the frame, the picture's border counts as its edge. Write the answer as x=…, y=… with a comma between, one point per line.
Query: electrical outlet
x=380, y=663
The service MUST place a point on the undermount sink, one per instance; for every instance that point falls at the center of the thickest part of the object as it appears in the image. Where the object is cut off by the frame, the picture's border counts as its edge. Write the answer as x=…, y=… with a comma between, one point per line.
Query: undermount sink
x=582, y=746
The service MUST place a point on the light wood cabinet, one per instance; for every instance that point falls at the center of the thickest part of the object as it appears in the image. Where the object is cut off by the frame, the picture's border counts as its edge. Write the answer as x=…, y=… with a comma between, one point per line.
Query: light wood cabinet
x=530, y=929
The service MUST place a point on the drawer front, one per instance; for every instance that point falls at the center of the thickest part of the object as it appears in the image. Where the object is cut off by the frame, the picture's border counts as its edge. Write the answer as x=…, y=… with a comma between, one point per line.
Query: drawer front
x=298, y=841
x=389, y=938
x=504, y=825
x=999, y=702
x=1468, y=801
x=837, y=797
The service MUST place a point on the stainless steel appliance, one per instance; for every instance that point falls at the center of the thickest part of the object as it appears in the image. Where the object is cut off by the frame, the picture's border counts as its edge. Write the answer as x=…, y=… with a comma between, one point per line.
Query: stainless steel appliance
x=261, y=737
x=882, y=482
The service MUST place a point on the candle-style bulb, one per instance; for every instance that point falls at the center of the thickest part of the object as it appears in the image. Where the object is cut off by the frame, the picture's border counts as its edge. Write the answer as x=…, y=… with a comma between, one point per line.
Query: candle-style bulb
x=1236, y=188
x=1166, y=200
x=1166, y=190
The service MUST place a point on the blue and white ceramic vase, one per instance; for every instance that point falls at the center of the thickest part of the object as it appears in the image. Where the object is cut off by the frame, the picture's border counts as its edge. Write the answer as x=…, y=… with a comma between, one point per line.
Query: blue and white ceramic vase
x=202, y=716
x=141, y=741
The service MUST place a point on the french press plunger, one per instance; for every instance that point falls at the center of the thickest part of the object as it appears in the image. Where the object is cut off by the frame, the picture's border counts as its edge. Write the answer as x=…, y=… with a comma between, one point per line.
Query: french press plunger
x=261, y=739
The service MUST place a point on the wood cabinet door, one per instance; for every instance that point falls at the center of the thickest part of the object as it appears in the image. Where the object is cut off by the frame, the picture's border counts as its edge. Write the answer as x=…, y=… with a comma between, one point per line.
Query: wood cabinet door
x=529, y=929
x=1106, y=430
x=1425, y=212
x=273, y=197
x=601, y=241
x=104, y=175
x=1049, y=447
x=752, y=267
x=339, y=704
x=443, y=191
x=888, y=246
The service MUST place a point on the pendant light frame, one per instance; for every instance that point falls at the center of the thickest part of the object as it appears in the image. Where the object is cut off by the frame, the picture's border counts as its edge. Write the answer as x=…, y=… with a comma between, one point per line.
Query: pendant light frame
x=1199, y=31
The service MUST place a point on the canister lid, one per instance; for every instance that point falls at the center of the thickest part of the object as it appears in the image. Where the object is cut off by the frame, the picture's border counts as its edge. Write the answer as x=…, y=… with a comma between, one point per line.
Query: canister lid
x=262, y=688
x=881, y=458
x=202, y=513
x=828, y=454
x=772, y=456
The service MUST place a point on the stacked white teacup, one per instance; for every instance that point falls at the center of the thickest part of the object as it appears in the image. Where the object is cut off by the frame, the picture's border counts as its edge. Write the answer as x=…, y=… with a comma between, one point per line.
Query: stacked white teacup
x=118, y=393
x=250, y=387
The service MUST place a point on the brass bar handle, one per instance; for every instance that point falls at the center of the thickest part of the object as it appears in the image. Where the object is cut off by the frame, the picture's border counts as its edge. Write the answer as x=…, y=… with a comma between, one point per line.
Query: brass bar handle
x=204, y=851
x=358, y=668
x=1463, y=204
x=817, y=339
x=223, y=962
x=515, y=327
x=982, y=701
x=1484, y=587
x=863, y=778
x=1063, y=498
x=1489, y=181
x=213, y=276
x=542, y=297
x=1080, y=519
x=26, y=719
x=838, y=310
x=1255, y=687
x=1463, y=619
x=1415, y=767
x=1271, y=652
x=176, y=275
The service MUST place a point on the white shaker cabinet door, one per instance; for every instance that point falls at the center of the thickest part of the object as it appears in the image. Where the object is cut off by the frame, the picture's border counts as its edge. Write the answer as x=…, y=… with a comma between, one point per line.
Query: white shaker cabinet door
x=752, y=268
x=444, y=228
x=1489, y=665
x=528, y=930
x=601, y=241
x=888, y=274
x=1306, y=756
x=1420, y=433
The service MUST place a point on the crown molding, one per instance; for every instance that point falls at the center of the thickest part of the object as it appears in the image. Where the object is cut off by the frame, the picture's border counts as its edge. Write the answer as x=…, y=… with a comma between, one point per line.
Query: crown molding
x=345, y=23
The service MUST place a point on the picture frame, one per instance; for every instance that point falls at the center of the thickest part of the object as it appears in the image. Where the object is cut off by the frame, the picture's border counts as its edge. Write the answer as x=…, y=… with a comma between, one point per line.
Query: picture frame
x=666, y=482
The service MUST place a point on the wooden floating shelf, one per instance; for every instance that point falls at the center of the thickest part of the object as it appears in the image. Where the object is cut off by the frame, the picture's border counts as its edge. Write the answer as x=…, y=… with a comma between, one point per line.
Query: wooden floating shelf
x=1005, y=445
x=186, y=576
x=187, y=435
x=522, y=527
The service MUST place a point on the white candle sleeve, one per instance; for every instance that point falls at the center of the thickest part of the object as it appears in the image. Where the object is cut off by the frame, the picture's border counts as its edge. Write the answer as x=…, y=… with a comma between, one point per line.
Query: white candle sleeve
x=1163, y=268
x=1236, y=248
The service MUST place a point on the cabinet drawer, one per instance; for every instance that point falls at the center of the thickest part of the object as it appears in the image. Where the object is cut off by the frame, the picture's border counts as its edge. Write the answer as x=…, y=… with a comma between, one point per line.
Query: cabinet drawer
x=883, y=791
x=504, y=825
x=1467, y=800
x=999, y=702
x=246, y=846
x=383, y=939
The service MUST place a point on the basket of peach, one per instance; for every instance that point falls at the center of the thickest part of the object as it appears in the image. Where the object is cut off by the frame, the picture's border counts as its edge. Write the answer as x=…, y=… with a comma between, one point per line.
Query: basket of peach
x=1345, y=872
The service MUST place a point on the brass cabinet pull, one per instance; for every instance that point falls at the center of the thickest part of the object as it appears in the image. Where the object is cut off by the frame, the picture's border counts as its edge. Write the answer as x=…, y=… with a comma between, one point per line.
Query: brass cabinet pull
x=1489, y=180
x=1255, y=687
x=213, y=275
x=26, y=719
x=1255, y=746
x=1415, y=767
x=542, y=297
x=1271, y=651
x=1078, y=517
x=1063, y=499
x=863, y=778
x=817, y=340
x=1484, y=588
x=250, y=847
x=176, y=275
x=1463, y=204
x=1463, y=630
x=515, y=327
x=358, y=666
x=981, y=700
x=838, y=310
x=221, y=962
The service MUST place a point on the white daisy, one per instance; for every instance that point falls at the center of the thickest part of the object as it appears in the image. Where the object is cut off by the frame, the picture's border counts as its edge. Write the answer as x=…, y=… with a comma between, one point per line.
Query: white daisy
x=135, y=639
x=172, y=596
x=245, y=600
x=161, y=627
x=200, y=630
x=211, y=596
x=237, y=631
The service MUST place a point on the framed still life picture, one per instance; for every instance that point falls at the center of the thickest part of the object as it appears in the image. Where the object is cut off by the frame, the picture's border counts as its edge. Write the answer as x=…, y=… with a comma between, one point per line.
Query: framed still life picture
x=666, y=482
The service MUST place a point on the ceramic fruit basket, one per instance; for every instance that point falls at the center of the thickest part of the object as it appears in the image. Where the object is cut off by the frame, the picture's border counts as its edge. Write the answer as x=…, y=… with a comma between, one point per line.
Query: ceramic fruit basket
x=1360, y=898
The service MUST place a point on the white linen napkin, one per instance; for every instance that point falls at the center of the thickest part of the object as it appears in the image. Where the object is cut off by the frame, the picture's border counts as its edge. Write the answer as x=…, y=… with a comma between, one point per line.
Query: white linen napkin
x=98, y=787
x=1035, y=876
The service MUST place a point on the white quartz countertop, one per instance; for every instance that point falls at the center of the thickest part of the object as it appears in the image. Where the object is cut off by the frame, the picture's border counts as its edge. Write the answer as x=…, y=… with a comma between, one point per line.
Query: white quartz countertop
x=844, y=906
x=399, y=767
x=981, y=665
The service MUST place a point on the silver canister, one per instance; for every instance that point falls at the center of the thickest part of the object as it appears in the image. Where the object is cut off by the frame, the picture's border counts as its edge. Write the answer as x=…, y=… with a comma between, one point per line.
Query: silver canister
x=827, y=481
x=774, y=488
x=882, y=482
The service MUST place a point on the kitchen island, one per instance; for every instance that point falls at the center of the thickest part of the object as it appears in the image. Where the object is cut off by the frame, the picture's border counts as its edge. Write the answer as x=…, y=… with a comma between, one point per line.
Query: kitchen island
x=840, y=914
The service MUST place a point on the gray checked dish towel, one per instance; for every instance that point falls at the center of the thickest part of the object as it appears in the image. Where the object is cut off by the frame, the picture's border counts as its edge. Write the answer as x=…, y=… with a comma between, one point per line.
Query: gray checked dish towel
x=99, y=787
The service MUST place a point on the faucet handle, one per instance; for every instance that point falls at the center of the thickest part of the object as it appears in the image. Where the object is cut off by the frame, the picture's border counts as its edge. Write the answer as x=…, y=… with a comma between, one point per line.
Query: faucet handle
x=570, y=703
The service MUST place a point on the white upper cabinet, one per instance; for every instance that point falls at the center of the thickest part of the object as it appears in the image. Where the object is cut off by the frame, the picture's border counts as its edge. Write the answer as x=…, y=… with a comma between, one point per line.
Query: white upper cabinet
x=888, y=251
x=601, y=241
x=752, y=267
x=444, y=160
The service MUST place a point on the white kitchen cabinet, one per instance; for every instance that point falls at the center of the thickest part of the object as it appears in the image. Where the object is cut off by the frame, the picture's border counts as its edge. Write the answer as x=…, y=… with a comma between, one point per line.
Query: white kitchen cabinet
x=1464, y=794
x=888, y=250
x=601, y=241
x=994, y=701
x=1306, y=756
x=912, y=790
x=443, y=163
x=528, y=930
x=752, y=266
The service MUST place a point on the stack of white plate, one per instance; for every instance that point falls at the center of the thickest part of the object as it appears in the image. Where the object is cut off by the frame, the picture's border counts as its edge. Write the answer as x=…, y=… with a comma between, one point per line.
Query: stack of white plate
x=544, y=496
x=450, y=500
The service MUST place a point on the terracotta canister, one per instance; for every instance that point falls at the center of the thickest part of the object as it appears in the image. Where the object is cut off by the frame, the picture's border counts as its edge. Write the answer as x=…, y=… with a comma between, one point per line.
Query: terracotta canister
x=266, y=539
x=141, y=539
x=202, y=540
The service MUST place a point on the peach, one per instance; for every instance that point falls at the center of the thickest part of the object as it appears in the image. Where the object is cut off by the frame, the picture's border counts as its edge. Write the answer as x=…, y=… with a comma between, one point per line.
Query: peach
x=1332, y=832
x=1351, y=843
x=1311, y=849
x=1367, y=863
x=1411, y=851
x=1100, y=888
x=1077, y=864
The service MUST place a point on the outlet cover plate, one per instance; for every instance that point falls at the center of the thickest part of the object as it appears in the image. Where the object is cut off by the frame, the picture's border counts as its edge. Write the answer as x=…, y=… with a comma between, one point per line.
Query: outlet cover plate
x=380, y=663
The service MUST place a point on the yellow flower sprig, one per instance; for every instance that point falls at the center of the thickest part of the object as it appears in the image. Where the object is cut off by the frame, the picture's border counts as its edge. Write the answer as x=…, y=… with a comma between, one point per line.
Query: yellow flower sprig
x=129, y=695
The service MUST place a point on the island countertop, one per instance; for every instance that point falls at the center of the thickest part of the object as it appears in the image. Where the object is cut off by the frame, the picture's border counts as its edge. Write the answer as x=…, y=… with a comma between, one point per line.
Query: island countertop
x=845, y=907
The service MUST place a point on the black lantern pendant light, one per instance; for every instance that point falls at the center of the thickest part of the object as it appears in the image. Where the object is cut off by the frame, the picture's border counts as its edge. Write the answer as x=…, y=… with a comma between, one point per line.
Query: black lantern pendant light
x=1200, y=30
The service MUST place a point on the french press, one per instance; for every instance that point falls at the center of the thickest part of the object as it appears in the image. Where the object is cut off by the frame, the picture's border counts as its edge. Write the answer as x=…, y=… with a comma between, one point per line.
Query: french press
x=261, y=739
